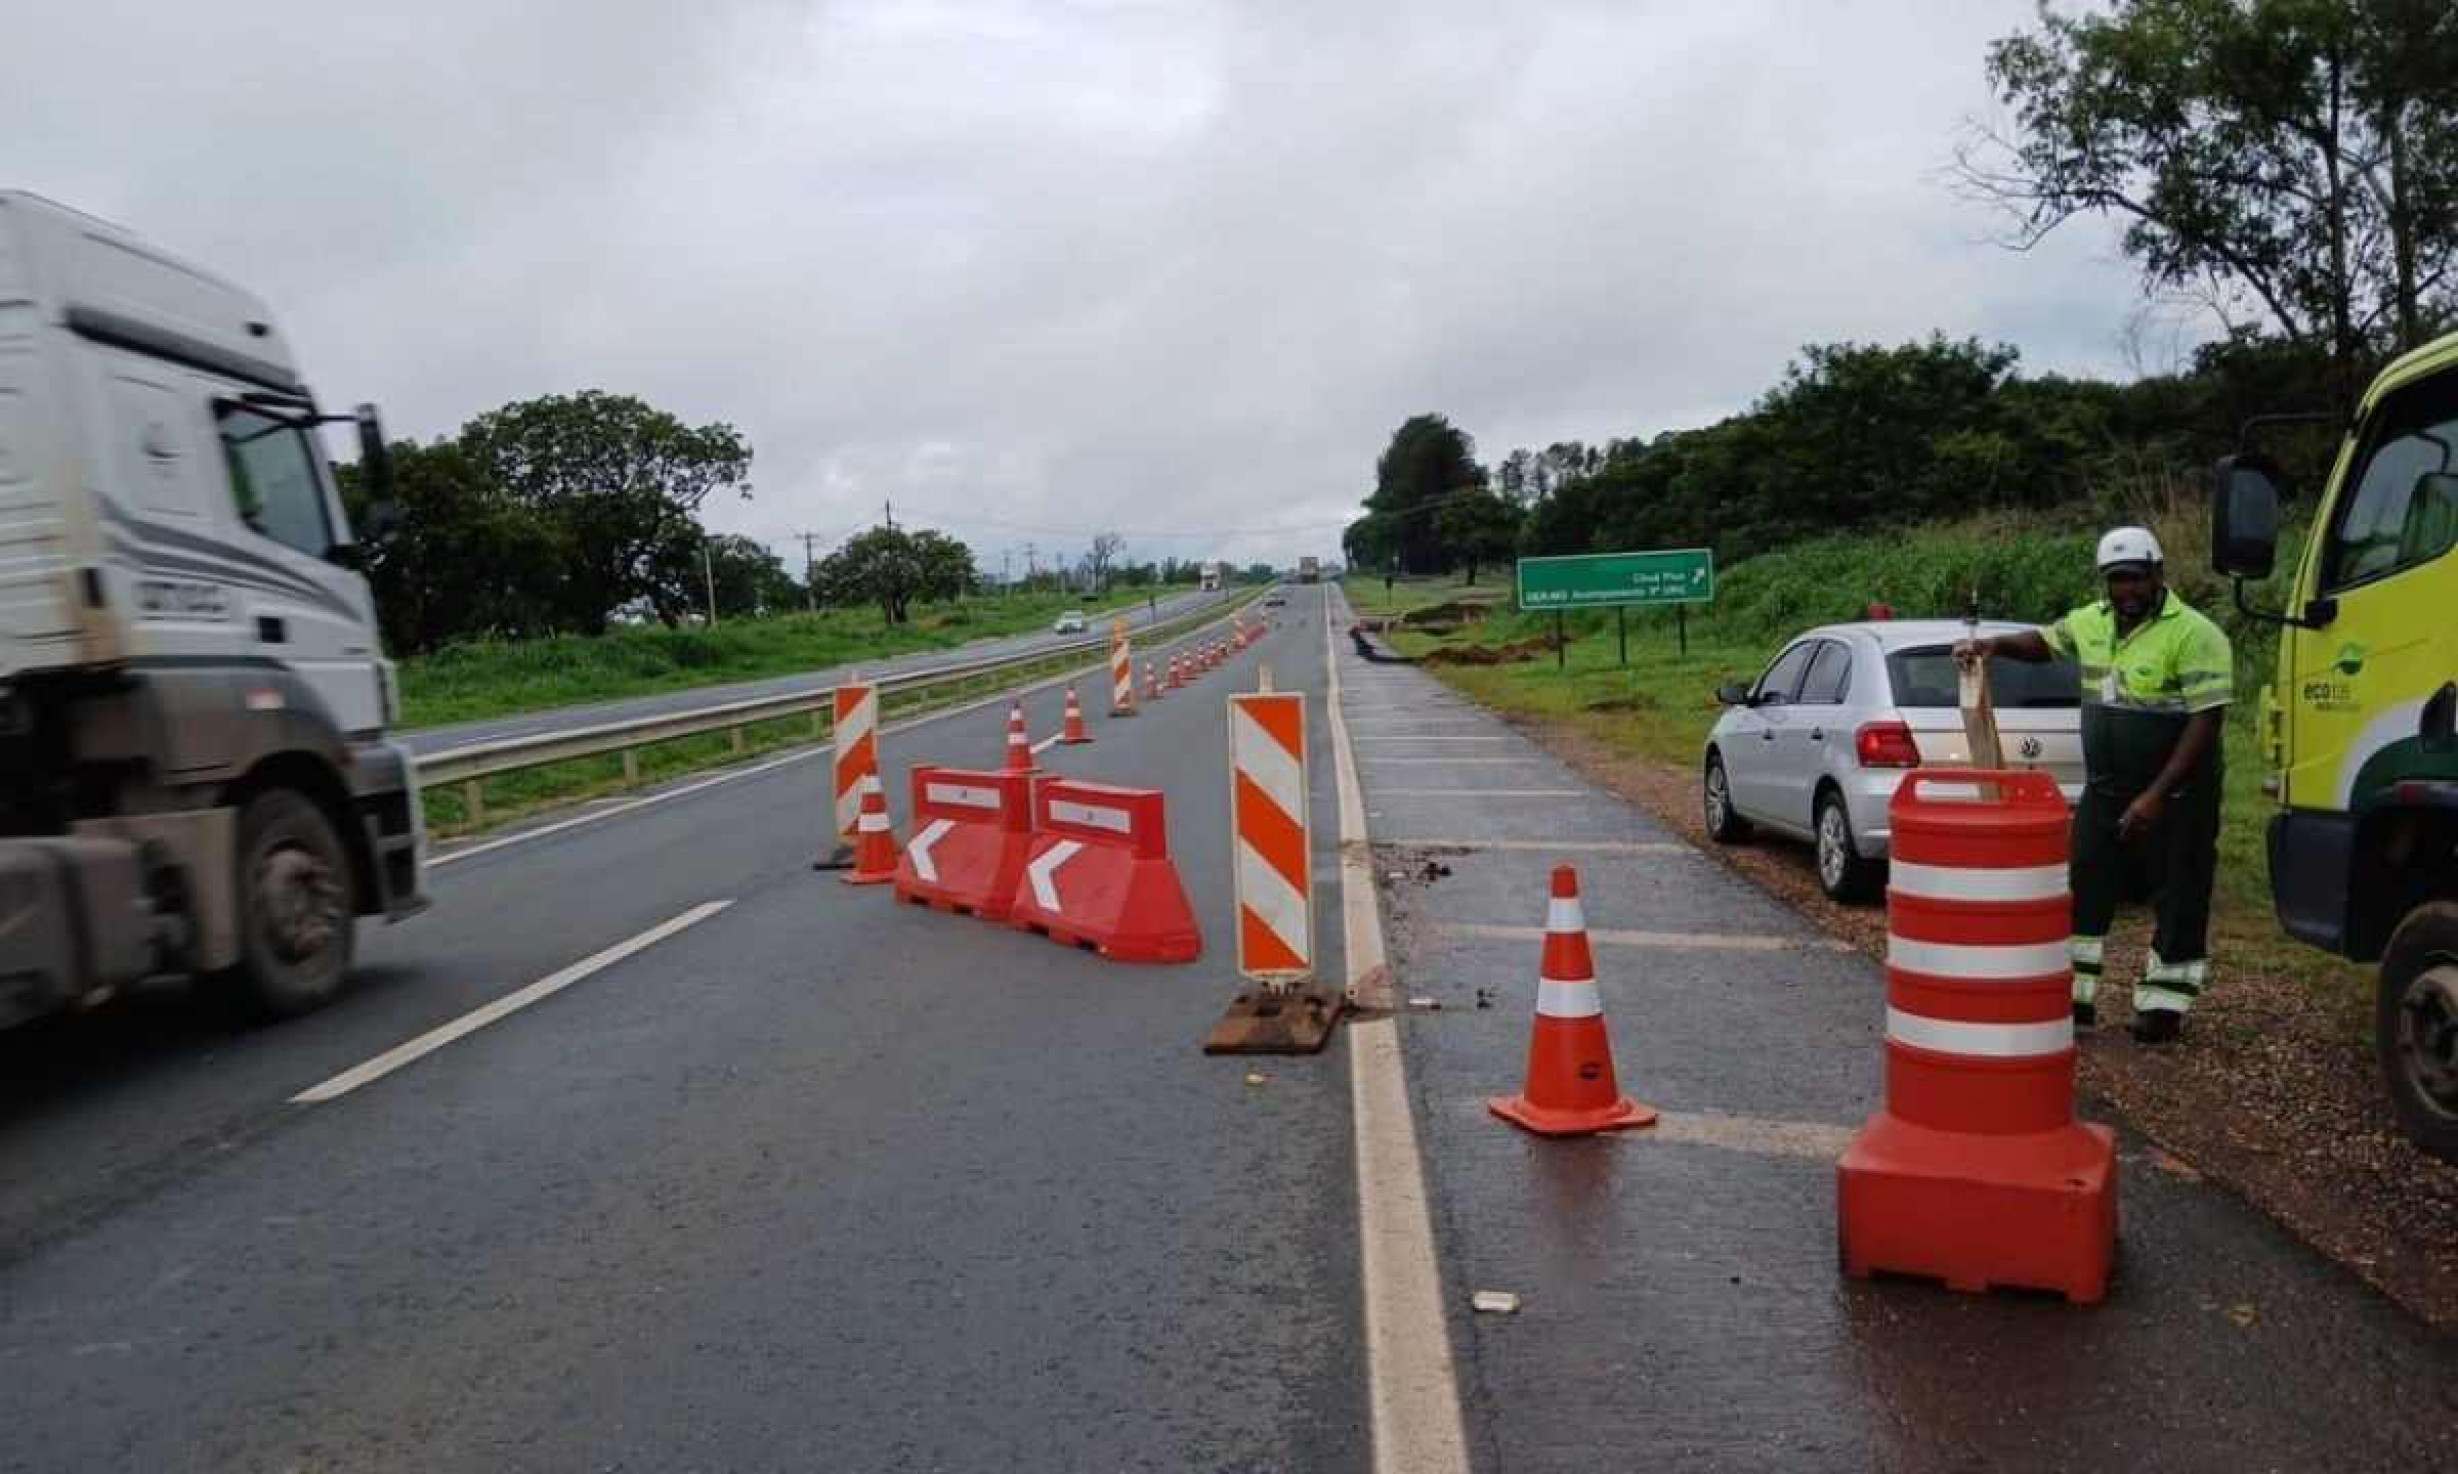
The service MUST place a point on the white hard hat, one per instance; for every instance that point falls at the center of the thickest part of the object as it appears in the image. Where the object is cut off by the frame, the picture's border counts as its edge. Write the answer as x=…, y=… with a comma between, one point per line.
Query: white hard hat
x=2129, y=545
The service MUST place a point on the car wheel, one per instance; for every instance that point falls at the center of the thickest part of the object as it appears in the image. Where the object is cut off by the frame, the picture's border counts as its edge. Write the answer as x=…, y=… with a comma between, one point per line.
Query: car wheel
x=2416, y=1027
x=1843, y=873
x=295, y=907
x=1724, y=825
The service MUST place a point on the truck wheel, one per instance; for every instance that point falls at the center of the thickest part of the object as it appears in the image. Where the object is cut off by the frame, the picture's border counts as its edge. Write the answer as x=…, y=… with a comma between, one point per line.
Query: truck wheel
x=295, y=906
x=2415, y=1026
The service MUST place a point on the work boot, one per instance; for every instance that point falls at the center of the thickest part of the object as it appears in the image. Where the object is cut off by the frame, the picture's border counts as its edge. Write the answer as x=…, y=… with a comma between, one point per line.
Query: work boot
x=2157, y=1026
x=2086, y=1016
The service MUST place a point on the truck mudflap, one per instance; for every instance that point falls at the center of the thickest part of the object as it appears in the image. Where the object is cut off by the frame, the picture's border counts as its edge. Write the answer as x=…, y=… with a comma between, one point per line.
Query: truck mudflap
x=384, y=790
x=2312, y=855
x=74, y=923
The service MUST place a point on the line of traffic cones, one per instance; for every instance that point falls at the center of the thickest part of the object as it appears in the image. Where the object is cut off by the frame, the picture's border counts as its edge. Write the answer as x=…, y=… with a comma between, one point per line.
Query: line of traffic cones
x=1571, y=1089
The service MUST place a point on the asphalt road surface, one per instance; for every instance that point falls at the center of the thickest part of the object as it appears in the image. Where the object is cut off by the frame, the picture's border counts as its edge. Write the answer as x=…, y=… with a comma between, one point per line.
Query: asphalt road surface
x=674, y=703
x=747, y=1169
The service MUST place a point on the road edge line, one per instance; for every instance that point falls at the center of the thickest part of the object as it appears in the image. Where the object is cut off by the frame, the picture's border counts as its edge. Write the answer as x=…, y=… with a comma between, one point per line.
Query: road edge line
x=1412, y=1382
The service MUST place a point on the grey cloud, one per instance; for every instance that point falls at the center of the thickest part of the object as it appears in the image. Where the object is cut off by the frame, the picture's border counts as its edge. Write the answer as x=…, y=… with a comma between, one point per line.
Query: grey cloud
x=1033, y=270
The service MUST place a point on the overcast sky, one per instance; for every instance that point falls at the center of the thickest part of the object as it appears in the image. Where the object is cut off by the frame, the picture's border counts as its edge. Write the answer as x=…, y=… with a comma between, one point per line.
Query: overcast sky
x=1034, y=270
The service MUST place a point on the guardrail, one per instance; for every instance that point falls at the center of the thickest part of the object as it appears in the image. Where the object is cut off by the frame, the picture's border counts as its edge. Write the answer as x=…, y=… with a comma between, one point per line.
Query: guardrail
x=472, y=765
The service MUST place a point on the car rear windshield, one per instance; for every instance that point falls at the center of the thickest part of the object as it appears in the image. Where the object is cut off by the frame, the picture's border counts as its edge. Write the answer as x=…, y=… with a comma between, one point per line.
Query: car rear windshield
x=1925, y=676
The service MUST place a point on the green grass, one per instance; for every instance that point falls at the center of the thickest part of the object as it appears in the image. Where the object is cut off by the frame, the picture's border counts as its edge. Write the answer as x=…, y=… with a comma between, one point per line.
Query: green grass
x=484, y=679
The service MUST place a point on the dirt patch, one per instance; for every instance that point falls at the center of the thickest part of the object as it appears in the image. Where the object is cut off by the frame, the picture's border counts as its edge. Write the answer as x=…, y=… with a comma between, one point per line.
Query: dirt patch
x=1450, y=616
x=1510, y=654
x=2273, y=1093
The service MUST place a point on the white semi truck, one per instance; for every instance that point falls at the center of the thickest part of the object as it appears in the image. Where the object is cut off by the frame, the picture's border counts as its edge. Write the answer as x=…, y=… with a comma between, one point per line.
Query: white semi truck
x=195, y=776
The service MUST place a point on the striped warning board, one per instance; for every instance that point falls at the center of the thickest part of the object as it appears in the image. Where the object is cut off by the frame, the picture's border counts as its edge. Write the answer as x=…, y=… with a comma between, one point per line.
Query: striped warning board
x=856, y=712
x=1267, y=797
x=1122, y=670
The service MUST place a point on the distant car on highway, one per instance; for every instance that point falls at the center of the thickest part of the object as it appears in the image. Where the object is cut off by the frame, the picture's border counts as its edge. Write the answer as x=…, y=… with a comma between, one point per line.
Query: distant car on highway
x=1072, y=622
x=1815, y=747
x=1275, y=600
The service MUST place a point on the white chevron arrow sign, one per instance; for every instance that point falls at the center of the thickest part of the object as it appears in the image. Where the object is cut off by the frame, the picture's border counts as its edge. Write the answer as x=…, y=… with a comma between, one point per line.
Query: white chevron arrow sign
x=1043, y=873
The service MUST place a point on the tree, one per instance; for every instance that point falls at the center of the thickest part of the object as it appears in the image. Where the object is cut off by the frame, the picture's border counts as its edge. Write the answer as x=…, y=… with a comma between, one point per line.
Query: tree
x=750, y=580
x=1477, y=528
x=1428, y=463
x=892, y=567
x=462, y=559
x=621, y=483
x=1099, y=557
x=2287, y=163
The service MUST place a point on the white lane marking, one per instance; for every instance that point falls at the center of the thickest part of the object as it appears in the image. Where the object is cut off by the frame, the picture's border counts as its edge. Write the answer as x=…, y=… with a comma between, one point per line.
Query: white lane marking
x=1460, y=762
x=1043, y=873
x=1667, y=940
x=1412, y=1386
x=1576, y=846
x=1991, y=1041
x=478, y=1018
x=1386, y=741
x=1818, y=1141
x=1049, y=741
x=924, y=867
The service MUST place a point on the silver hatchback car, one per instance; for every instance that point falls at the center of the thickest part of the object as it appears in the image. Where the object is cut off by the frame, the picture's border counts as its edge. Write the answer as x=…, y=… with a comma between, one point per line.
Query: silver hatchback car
x=1816, y=746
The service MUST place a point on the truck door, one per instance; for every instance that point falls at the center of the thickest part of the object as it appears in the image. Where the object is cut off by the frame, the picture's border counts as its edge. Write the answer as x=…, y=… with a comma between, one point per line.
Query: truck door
x=2389, y=581
x=316, y=622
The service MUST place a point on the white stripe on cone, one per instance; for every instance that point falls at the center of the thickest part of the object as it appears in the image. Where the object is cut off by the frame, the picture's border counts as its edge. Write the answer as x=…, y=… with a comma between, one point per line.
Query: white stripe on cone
x=1556, y=999
x=1563, y=914
x=1980, y=964
x=1965, y=883
x=1986, y=1041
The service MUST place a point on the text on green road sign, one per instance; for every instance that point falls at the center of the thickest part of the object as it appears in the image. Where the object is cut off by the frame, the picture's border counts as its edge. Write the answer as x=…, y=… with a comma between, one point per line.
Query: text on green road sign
x=1664, y=576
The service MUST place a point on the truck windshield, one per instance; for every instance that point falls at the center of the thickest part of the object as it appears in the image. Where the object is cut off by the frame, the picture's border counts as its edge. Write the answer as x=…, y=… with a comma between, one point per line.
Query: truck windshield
x=2401, y=512
x=1925, y=676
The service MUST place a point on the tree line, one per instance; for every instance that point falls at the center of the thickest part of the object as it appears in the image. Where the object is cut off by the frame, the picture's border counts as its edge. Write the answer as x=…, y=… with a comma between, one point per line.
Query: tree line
x=569, y=512
x=2287, y=167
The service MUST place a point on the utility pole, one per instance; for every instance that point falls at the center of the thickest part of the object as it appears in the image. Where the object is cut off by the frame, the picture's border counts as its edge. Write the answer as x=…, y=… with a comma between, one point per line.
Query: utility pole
x=1007, y=558
x=887, y=509
x=810, y=583
x=708, y=570
x=1032, y=569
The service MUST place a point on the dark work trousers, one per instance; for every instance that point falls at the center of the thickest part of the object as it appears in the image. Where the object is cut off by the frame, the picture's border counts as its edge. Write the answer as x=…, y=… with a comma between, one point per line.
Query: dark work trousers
x=2172, y=865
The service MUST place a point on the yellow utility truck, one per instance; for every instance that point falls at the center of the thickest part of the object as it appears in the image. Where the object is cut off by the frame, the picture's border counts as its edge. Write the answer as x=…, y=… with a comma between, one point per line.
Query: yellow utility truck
x=2361, y=726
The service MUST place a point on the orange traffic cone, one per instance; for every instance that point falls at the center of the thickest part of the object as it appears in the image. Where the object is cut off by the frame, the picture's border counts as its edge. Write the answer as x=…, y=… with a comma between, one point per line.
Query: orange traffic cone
x=874, y=843
x=1177, y=670
x=1074, y=735
x=1152, y=682
x=1019, y=745
x=1571, y=1090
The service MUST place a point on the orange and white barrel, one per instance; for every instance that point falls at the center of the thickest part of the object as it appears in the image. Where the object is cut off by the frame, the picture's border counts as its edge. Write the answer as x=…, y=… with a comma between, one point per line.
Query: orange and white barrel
x=1122, y=671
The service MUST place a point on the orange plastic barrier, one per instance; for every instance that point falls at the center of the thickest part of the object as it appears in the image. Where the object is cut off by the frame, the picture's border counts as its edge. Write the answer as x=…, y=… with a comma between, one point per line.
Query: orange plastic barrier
x=1099, y=874
x=971, y=830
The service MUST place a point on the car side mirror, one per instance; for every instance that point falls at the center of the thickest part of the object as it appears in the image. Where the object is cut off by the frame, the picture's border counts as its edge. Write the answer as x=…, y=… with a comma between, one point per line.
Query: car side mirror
x=2244, y=516
x=1733, y=693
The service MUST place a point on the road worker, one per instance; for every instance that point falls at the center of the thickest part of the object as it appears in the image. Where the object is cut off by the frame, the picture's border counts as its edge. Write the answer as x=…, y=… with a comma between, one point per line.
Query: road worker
x=2157, y=677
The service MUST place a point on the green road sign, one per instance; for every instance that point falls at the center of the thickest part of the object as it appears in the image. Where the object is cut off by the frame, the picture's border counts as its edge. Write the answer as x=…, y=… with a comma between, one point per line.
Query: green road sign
x=1600, y=580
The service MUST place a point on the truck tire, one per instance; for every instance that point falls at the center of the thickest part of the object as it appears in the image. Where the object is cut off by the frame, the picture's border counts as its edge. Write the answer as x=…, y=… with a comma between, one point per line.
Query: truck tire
x=2415, y=1026
x=295, y=907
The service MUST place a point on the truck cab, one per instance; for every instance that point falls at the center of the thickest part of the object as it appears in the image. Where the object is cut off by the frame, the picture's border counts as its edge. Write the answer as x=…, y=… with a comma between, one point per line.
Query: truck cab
x=2360, y=728
x=194, y=769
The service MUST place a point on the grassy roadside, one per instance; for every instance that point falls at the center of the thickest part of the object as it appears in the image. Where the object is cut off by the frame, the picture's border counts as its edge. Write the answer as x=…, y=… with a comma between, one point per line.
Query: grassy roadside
x=484, y=679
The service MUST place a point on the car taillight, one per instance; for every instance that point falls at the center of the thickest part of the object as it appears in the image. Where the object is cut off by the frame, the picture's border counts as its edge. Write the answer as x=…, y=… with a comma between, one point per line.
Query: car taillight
x=1886, y=745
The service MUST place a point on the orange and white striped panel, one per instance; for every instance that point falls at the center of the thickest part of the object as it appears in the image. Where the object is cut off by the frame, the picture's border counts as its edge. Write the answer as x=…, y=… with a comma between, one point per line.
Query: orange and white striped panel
x=1122, y=668
x=1267, y=802
x=856, y=728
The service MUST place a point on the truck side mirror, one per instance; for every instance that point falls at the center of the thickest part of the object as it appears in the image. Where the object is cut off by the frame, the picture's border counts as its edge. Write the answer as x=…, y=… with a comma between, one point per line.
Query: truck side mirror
x=2244, y=516
x=375, y=457
x=2436, y=728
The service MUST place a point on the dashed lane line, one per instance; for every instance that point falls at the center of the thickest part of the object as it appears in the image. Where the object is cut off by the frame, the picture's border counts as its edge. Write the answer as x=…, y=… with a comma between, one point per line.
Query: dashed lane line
x=1381, y=741
x=401, y=1055
x=1412, y=1385
x=1696, y=941
x=1382, y=792
x=1463, y=761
